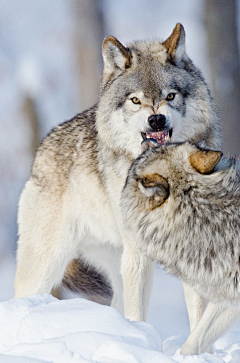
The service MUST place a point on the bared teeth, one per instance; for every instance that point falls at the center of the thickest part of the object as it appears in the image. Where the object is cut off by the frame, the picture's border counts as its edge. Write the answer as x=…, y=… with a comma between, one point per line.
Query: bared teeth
x=159, y=136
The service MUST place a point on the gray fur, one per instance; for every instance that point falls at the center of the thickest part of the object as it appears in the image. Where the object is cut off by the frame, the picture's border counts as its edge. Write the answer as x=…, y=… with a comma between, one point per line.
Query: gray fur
x=189, y=221
x=195, y=233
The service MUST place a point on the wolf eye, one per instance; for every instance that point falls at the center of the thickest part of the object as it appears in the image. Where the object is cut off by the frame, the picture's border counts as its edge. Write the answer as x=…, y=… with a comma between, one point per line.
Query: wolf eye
x=136, y=100
x=170, y=96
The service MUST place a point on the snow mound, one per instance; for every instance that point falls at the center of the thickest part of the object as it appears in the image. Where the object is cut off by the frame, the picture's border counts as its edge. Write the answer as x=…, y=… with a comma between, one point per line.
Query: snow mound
x=42, y=328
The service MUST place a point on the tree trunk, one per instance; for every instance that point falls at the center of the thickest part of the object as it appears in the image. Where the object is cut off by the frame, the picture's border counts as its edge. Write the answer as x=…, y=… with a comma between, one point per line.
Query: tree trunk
x=89, y=37
x=220, y=18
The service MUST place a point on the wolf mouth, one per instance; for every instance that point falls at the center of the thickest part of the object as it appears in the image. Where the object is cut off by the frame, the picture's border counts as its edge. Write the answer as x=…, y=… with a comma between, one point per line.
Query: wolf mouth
x=159, y=136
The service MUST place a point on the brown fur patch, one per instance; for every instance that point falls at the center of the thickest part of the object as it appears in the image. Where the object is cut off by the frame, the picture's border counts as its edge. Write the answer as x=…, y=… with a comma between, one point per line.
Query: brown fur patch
x=204, y=161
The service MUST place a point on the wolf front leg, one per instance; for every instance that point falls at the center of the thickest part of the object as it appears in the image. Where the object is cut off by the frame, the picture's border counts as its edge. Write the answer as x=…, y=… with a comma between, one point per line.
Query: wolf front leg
x=137, y=274
x=215, y=321
x=196, y=305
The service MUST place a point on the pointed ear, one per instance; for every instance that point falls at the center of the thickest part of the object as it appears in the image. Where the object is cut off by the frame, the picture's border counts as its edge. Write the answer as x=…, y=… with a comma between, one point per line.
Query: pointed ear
x=116, y=58
x=175, y=45
x=155, y=187
x=204, y=161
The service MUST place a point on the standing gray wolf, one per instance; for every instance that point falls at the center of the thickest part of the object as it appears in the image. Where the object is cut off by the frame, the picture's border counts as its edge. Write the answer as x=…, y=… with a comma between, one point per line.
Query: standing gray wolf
x=182, y=206
x=69, y=209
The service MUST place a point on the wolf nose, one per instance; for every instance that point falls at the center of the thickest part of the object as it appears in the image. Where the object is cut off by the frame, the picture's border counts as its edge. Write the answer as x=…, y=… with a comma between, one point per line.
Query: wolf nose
x=157, y=122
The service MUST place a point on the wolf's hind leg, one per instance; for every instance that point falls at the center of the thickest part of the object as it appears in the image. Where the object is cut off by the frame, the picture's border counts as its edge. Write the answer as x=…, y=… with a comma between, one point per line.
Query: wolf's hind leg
x=196, y=305
x=215, y=321
x=46, y=242
x=38, y=272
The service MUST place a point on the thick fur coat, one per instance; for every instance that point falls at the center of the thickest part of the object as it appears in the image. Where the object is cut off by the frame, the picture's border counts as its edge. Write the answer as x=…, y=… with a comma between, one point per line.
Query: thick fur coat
x=182, y=205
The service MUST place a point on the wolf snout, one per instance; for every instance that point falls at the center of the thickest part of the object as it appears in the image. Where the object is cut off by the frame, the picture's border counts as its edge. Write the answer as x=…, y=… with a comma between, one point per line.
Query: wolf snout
x=157, y=122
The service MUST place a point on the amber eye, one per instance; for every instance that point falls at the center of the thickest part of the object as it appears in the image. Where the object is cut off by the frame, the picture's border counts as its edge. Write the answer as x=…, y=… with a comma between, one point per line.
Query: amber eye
x=170, y=96
x=136, y=100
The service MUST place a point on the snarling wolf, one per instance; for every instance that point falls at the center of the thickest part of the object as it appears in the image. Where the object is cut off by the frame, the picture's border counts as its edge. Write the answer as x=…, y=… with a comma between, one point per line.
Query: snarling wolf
x=182, y=207
x=69, y=209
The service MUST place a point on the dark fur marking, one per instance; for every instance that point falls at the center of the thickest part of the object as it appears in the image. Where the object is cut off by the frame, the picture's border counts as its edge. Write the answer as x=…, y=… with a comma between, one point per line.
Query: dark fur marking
x=212, y=253
x=231, y=248
x=120, y=104
x=236, y=280
x=83, y=278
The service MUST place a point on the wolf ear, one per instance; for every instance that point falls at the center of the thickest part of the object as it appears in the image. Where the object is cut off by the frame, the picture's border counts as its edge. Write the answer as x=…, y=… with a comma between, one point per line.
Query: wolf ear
x=116, y=58
x=155, y=187
x=175, y=45
x=204, y=161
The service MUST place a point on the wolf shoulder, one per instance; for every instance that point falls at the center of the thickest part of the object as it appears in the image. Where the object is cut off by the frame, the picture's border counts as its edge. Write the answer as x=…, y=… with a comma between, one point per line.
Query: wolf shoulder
x=69, y=146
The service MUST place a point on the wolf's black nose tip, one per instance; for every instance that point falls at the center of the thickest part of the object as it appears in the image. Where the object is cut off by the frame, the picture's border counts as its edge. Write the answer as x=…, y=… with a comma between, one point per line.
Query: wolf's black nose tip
x=157, y=122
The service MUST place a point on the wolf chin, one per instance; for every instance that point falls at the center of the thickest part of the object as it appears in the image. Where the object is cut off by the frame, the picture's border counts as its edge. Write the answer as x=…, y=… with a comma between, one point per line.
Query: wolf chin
x=69, y=210
x=181, y=205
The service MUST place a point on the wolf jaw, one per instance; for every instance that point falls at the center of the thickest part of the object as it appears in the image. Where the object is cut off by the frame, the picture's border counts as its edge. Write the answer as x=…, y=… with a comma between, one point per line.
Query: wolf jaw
x=161, y=137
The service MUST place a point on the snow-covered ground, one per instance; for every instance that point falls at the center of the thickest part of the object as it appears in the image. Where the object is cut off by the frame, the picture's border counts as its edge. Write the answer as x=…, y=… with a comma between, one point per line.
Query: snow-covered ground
x=43, y=329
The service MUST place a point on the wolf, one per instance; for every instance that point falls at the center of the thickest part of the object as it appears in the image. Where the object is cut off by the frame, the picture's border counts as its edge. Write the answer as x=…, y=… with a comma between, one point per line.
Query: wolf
x=181, y=205
x=69, y=210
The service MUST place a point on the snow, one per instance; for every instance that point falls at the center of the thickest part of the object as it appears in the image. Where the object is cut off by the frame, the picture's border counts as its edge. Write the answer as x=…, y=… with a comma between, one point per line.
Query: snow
x=77, y=330
x=42, y=328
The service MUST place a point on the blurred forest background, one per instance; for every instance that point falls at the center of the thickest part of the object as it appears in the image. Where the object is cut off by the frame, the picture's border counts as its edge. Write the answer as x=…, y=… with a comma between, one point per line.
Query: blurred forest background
x=50, y=69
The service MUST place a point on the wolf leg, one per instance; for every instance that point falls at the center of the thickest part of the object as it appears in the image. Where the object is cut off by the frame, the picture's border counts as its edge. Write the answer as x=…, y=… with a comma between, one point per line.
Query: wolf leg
x=215, y=321
x=46, y=243
x=39, y=270
x=137, y=273
x=196, y=305
x=39, y=276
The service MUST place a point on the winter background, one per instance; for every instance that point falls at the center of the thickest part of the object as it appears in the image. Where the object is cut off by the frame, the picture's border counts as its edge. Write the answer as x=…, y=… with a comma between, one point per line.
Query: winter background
x=50, y=66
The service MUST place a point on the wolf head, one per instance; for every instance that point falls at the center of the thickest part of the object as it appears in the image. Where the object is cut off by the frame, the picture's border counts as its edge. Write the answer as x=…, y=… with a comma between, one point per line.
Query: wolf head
x=151, y=89
x=163, y=176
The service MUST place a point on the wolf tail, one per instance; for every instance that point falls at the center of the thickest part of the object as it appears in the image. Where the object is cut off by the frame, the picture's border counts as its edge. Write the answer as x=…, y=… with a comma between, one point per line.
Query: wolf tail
x=82, y=278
